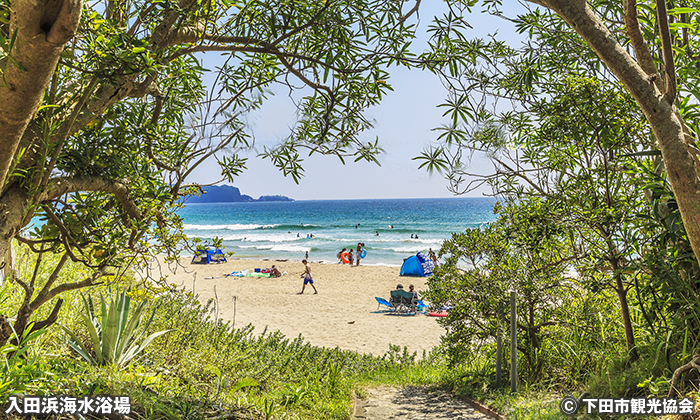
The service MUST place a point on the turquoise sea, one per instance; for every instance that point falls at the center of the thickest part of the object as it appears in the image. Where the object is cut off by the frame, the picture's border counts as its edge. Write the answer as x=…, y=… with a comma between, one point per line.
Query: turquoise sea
x=281, y=230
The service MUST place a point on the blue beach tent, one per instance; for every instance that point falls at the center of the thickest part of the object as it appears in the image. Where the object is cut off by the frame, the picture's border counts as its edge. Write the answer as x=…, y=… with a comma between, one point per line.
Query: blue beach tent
x=412, y=266
x=417, y=266
x=208, y=255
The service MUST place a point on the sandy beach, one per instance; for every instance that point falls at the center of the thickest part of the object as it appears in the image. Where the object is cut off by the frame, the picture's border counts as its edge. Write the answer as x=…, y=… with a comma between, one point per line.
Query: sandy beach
x=343, y=314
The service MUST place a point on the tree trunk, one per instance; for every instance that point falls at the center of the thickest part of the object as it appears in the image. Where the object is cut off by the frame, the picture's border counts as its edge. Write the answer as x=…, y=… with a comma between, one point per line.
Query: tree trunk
x=41, y=29
x=665, y=121
x=13, y=209
x=626, y=319
x=8, y=261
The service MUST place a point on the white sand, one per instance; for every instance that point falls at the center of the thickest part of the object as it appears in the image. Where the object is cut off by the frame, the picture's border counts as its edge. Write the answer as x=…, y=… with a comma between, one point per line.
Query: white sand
x=343, y=314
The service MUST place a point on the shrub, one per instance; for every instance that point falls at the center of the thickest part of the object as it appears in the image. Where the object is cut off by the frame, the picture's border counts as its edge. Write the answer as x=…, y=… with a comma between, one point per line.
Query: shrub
x=115, y=338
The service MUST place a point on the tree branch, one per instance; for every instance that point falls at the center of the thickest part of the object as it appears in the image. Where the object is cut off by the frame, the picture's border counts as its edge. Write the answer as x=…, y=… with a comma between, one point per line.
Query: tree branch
x=64, y=185
x=410, y=12
x=68, y=238
x=657, y=106
x=89, y=281
x=693, y=363
x=50, y=320
x=41, y=297
x=206, y=156
x=40, y=31
x=64, y=135
x=149, y=139
x=646, y=61
x=662, y=17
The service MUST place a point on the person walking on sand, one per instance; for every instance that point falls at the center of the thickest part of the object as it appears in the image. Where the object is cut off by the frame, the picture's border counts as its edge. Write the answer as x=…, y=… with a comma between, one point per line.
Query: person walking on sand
x=339, y=256
x=359, y=249
x=350, y=256
x=307, y=278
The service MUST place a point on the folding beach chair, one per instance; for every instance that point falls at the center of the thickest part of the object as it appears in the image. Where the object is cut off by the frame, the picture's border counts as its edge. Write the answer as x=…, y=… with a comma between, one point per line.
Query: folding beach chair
x=405, y=302
x=382, y=302
x=396, y=300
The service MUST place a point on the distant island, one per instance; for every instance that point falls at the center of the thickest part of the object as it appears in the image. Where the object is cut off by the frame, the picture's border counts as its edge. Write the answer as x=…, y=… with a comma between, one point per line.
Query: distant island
x=229, y=194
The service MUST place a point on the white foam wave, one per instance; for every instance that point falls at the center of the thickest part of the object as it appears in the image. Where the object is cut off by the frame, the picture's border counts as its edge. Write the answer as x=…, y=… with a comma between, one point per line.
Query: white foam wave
x=412, y=249
x=425, y=241
x=255, y=246
x=235, y=226
x=394, y=239
x=272, y=237
x=247, y=237
x=276, y=247
x=289, y=248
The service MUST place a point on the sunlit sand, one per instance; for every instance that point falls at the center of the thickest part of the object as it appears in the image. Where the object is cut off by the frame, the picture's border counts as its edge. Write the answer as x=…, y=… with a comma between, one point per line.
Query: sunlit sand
x=343, y=314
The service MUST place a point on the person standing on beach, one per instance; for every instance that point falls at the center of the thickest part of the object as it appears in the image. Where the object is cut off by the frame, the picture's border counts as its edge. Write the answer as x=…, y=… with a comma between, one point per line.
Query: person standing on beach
x=359, y=249
x=307, y=278
x=350, y=256
x=432, y=256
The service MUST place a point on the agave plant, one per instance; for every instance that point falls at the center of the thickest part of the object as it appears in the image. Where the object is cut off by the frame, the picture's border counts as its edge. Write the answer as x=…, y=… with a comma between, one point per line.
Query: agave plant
x=115, y=337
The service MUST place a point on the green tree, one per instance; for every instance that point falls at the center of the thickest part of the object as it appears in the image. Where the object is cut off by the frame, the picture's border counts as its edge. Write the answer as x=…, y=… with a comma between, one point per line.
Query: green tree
x=104, y=115
x=584, y=139
x=569, y=144
x=522, y=252
x=608, y=27
x=654, y=86
x=612, y=30
x=587, y=150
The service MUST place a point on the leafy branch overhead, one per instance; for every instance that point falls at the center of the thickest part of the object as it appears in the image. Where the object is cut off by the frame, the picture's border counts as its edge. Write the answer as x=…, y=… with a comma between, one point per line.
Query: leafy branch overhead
x=104, y=112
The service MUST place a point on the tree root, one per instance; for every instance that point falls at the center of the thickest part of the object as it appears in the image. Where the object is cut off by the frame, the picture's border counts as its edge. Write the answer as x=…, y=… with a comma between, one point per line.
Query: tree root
x=694, y=363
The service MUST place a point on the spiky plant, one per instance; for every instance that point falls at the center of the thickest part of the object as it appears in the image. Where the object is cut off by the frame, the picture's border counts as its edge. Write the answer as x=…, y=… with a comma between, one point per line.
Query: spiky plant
x=115, y=337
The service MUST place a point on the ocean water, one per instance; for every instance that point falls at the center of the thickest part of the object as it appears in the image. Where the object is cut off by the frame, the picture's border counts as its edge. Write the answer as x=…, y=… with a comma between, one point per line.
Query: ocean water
x=281, y=230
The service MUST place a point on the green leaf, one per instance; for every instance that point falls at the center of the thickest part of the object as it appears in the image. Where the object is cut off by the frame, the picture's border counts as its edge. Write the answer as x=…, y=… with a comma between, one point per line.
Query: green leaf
x=245, y=382
x=682, y=10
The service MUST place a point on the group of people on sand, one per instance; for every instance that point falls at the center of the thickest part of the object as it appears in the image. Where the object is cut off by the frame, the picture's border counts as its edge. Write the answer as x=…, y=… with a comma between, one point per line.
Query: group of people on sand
x=411, y=289
x=403, y=300
x=345, y=256
x=432, y=256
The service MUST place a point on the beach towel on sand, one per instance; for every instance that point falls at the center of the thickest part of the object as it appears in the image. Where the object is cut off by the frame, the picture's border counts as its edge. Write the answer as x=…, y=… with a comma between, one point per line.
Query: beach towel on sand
x=245, y=273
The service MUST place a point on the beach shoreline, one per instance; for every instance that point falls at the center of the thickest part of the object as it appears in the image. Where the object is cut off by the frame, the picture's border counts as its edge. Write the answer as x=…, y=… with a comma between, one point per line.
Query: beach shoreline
x=343, y=314
x=312, y=261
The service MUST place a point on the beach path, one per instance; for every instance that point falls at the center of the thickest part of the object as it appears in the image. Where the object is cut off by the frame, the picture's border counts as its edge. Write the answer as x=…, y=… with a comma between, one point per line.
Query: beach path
x=412, y=403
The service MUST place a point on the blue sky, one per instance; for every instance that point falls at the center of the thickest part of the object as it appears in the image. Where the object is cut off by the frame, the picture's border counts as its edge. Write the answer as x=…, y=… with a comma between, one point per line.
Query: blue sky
x=404, y=123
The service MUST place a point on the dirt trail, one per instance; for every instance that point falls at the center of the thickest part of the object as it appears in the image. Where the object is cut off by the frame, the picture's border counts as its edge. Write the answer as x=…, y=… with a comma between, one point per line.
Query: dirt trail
x=413, y=403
